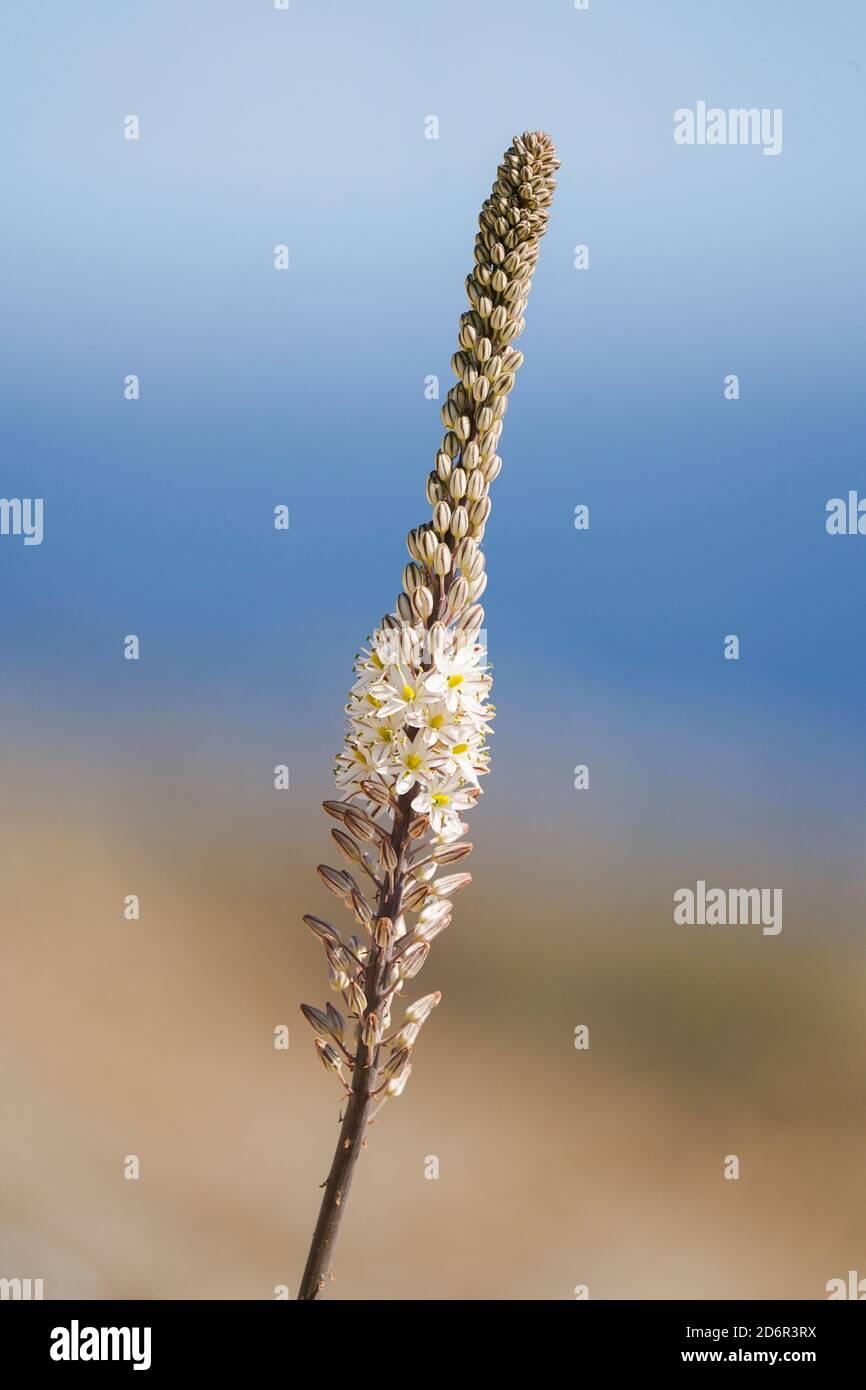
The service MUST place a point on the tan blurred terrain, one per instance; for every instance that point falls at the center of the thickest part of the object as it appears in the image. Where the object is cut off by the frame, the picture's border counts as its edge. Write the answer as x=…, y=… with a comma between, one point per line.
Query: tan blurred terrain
x=557, y=1167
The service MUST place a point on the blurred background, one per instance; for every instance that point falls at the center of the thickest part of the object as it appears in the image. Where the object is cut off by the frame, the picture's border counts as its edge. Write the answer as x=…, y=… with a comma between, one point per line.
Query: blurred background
x=557, y=1167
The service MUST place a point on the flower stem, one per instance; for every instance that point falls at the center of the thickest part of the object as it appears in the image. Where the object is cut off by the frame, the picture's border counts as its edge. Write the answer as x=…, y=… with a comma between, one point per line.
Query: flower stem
x=361, y=1100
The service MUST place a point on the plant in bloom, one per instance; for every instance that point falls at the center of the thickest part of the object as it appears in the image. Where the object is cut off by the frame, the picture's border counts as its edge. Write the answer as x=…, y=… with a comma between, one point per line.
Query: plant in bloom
x=419, y=711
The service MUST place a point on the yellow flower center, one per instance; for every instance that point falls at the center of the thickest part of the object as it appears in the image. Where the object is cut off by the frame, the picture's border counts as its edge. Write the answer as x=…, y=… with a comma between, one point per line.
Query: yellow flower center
x=359, y=756
x=436, y=721
x=377, y=704
x=386, y=734
x=408, y=693
x=440, y=799
x=377, y=661
x=455, y=681
x=413, y=761
x=460, y=748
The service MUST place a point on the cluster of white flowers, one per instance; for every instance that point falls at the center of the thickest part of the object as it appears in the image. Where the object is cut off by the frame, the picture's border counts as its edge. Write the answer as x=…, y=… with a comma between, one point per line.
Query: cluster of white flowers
x=419, y=719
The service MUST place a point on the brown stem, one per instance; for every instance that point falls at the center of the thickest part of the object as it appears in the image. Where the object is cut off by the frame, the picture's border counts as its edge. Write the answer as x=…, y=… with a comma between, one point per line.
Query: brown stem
x=360, y=1102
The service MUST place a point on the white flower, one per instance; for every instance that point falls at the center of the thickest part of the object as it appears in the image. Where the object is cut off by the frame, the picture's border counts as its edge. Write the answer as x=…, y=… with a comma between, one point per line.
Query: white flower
x=465, y=753
x=414, y=761
x=442, y=802
x=457, y=678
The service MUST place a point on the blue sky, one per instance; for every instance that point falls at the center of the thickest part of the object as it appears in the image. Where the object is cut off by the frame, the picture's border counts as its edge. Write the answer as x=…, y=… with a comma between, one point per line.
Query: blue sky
x=306, y=387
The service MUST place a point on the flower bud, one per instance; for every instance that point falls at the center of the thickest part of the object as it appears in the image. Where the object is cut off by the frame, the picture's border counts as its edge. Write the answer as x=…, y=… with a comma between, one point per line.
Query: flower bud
x=442, y=558
x=491, y=468
x=458, y=597
x=459, y=522
x=471, y=621
x=476, y=486
x=457, y=484
x=477, y=587
x=479, y=511
x=412, y=577
x=422, y=601
x=471, y=456
x=463, y=428
x=442, y=514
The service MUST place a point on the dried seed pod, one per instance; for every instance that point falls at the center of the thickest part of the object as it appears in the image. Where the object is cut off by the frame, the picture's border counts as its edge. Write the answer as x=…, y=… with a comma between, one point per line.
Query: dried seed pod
x=449, y=854
x=372, y=1030
x=421, y=1010
x=383, y=932
x=318, y=1021
x=413, y=959
x=361, y=908
x=397, y=1084
x=335, y=1018
x=361, y=825
x=387, y=856
x=337, y=880
x=414, y=894
x=356, y=998
x=376, y=792
x=452, y=883
x=330, y=1057
x=347, y=846
x=320, y=928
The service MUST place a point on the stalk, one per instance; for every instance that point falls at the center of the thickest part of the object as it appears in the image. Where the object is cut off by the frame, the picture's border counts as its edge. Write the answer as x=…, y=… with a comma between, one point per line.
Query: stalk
x=419, y=714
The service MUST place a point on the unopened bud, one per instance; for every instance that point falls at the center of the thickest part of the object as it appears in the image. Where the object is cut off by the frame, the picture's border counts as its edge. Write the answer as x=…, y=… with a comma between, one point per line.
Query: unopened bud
x=442, y=559
x=422, y=602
